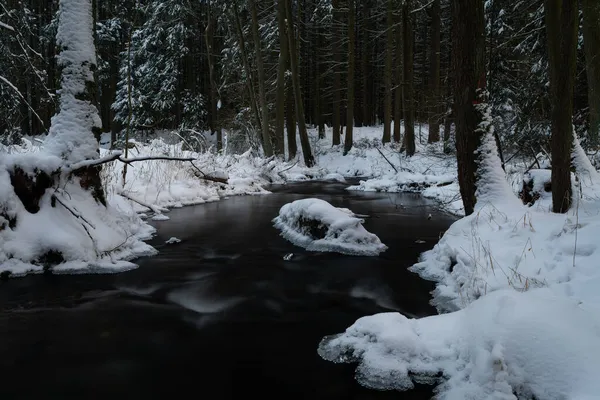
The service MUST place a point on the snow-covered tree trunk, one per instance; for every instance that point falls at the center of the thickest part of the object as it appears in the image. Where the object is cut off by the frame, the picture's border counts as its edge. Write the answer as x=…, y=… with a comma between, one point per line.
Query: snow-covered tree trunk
x=491, y=185
x=76, y=128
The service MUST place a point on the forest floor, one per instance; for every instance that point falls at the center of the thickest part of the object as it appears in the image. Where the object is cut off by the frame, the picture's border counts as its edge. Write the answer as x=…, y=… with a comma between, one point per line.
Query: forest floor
x=381, y=168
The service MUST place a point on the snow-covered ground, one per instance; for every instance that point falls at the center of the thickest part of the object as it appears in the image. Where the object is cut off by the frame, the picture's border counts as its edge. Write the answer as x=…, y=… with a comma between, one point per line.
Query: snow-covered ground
x=174, y=184
x=521, y=286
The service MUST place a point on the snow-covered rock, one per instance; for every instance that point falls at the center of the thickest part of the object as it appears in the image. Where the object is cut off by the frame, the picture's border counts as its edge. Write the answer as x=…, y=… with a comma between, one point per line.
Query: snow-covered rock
x=534, y=344
x=316, y=225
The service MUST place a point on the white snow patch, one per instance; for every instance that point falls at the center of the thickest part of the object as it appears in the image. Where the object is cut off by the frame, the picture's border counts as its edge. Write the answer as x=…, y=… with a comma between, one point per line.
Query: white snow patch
x=316, y=225
x=160, y=217
x=533, y=344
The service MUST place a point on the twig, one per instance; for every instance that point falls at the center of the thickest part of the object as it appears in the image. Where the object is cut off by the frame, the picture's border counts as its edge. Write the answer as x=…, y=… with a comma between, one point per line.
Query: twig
x=283, y=170
x=73, y=212
x=208, y=177
x=79, y=216
x=386, y=159
x=152, y=207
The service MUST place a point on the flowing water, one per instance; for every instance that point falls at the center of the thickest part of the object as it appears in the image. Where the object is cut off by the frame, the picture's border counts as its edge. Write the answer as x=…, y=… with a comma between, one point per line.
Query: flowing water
x=220, y=315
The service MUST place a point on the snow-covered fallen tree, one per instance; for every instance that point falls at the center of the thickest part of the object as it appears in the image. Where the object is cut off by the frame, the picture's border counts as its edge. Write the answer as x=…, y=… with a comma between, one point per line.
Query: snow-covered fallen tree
x=507, y=344
x=53, y=210
x=316, y=225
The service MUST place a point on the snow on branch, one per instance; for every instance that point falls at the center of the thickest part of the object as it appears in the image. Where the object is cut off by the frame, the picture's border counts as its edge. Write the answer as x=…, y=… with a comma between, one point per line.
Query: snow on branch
x=5, y=26
x=118, y=156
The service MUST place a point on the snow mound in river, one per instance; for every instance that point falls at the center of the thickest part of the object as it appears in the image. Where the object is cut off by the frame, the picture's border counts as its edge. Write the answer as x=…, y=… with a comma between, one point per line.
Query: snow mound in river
x=316, y=225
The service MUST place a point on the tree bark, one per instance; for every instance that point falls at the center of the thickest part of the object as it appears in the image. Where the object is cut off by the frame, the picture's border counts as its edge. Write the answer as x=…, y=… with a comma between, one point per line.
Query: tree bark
x=281, y=68
x=434, y=72
x=561, y=39
x=409, y=94
x=351, y=66
x=591, y=44
x=337, y=61
x=399, y=86
x=249, y=80
x=387, y=74
x=214, y=92
x=290, y=118
x=468, y=62
x=309, y=161
x=262, y=93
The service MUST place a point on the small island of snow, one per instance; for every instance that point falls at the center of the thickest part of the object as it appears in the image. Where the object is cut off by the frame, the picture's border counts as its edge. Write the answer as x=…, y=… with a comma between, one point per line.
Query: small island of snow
x=316, y=225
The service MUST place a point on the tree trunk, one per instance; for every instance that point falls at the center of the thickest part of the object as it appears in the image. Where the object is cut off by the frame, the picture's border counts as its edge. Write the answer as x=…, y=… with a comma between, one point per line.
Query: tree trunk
x=214, y=92
x=304, y=142
x=561, y=39
x=290, y=118
x=434, y=73
x=351, y=63
x=320, y=120
x=591, y=44
x=337, y=61
x=249, y=81
x=387, y=74
x=468, y=61
x=399, y=86
x=409, y=94
x=281, y=68
x=262, y=93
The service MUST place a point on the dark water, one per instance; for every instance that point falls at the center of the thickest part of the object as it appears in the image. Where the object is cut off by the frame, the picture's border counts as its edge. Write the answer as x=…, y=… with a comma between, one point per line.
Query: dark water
x=220, y=315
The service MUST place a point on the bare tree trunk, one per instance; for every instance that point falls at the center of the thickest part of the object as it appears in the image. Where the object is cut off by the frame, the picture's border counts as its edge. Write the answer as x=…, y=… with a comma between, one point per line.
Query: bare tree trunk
x=468, y=60
x=434, y=73
x=387, y=74
x=351, y=63
x=561, y=38
x=262, y=94
x=214, y=93
x=399, y=85
x=309, y=161
x=281, y=68
x=591, y=44
x=319, y=85
x=290, y=117
x=409, y=93
x=337, y=61
x=249, y=81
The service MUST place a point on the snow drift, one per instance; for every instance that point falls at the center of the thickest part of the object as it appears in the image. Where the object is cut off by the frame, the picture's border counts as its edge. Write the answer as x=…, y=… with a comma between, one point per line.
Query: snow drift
x=316, y=225
x=504, y=344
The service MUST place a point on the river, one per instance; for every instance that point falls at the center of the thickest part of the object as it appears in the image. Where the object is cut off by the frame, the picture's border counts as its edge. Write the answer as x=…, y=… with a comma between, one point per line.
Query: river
x=220, y=315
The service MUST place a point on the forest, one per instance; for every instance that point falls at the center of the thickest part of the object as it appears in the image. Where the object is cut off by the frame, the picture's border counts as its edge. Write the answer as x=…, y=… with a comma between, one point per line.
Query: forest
x=227, y=183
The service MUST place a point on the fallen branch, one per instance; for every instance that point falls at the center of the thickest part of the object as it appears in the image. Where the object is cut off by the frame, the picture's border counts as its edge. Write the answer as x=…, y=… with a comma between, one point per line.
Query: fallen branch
x=79, y=216
x=208, y=177
x=117, y=156
x=73, y=212
x=386, y=159
x=150, y=158
x=155, y=209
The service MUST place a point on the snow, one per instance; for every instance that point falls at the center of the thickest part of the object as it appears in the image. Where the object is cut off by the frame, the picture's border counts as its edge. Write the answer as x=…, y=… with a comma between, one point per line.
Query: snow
x=90, y=238
x=316, y=225
x=520, y=286
x=70, y=136
x=533, y=344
